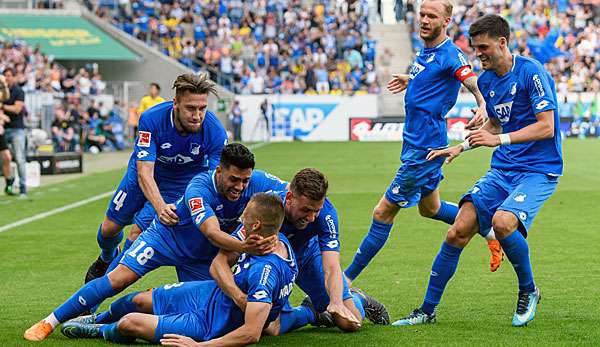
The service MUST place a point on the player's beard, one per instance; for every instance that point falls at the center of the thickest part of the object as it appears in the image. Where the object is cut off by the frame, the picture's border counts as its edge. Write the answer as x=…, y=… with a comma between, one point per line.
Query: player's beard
x=184, y=127
x=435, y=32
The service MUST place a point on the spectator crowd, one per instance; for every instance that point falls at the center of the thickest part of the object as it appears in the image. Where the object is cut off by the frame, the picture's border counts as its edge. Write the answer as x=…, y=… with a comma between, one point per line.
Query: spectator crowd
x=79, y=121
x=564, y=35
x=260, y=46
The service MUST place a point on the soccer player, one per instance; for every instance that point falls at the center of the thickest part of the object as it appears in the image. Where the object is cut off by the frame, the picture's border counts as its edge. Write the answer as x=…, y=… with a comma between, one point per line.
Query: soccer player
x=311, y=226
x=200, y=309
x=431, y=90
x=525, y=167
x=176, y=141
x=212, y=203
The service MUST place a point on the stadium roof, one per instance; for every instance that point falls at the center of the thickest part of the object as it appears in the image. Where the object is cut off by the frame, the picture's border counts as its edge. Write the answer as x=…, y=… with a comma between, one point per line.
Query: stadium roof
x=64, y=37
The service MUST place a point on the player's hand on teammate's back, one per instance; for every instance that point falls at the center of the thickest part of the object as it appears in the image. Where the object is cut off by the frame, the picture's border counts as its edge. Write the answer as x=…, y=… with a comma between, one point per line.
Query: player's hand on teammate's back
x=178, y=341
x=398, y=83
x=448, y=153
x=343, y=312
x=258, y=245
x=167, y=215
x=483, y=138
x=479, y=117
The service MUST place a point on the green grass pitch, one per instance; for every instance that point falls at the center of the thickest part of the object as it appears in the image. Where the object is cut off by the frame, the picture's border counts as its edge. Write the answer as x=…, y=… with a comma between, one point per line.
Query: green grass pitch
x=43, y=262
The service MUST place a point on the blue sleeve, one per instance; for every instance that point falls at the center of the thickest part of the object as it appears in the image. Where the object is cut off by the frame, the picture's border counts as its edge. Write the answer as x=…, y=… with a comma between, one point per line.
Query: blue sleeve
x=239, y=233
x=328, y=228
x=217, y=142
x=197, y=201
x=540, y=92
x=270, y=182
x=262, y=282
x=145, y=144
x=455, y=60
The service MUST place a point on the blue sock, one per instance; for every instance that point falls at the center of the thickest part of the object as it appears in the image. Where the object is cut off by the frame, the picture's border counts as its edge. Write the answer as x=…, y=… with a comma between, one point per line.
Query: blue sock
x=447, y=212
x=517, y=251
x=118, y=309
x=359, y=302
x=108, y=245
x=110, y=333
x=91, y=294
x=371, y=244
x=295, y=318
x=442, y=270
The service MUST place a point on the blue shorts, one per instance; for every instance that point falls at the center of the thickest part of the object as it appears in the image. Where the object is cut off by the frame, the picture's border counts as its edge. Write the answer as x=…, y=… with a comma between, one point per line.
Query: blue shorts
x=146, y=215
x=127, y=201
x=155, y=248
x=182, y=309
x=522, y=193
x=416, y=177
x=311, y=278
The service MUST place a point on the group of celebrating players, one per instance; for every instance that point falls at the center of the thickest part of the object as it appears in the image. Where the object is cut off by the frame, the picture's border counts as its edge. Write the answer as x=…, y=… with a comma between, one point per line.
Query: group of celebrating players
x=241, y=239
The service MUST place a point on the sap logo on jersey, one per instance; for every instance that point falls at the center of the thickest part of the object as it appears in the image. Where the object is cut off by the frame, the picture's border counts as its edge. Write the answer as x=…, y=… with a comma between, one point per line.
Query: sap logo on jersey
x=415, y=69
x=299, y=120
x=144, y=138
x=196, y=205
x=503, y=111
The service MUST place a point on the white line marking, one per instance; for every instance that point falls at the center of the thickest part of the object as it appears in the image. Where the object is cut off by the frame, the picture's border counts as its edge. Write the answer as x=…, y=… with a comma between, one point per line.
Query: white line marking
x=55, y=211
x=79, y=203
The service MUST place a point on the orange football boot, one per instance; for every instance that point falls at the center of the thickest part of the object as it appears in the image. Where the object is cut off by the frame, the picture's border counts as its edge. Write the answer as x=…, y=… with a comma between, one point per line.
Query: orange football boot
x=38, y=331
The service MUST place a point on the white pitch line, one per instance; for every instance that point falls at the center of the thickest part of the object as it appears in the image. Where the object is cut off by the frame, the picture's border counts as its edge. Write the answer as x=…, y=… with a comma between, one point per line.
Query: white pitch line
x=55, y=211
x=79, y=203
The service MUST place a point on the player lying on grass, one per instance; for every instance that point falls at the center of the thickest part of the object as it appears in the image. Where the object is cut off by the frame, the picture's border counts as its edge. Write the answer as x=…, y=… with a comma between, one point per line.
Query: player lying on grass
x=432, y=87
x=176, y=140
x=311, y=226
x=525, y=167
x=213, y=202
x=201, y=310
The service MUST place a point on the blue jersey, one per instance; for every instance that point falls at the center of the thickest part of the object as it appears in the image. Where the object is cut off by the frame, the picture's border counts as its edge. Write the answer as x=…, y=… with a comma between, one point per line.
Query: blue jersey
x=514, y=99
x=325, y=228
x=177, y=158
x=203, y=311
x=432, y=91
x=202, y=201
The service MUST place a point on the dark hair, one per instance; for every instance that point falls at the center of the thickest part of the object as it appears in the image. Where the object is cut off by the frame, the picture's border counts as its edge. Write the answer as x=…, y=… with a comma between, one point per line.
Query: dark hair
x=310, y=183
x=156, y=85
x=237, y=155
x=491, y=24
x=12, y=71
x=268, y=208
x=196, y=84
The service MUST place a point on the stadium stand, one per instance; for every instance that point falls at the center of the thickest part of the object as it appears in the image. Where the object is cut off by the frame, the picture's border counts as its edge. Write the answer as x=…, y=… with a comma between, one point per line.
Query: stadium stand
x=256, y=47
x=564, y=35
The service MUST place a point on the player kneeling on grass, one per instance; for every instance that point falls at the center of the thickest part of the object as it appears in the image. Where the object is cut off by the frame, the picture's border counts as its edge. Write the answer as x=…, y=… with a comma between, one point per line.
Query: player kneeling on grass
x=201, y=310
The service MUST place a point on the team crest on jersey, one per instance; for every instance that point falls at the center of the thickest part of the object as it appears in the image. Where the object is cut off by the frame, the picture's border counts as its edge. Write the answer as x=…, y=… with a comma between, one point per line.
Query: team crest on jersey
x=196, y=205
x=513, y=88
x=415, y=69
x=144, y=138
x=503, y=111
x=430, y=58
x=195, y=149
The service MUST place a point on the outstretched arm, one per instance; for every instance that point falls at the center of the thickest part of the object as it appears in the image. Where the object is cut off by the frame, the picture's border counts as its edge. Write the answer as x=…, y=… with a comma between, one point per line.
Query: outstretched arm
x=480, y=114
x=220, y=270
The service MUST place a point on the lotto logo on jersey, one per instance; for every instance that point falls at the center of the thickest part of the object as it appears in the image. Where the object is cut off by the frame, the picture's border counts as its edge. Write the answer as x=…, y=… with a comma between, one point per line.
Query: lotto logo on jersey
x=196, y=205
x=144, y=138
x=503, y=111
x=260, y=295
x=415, y=69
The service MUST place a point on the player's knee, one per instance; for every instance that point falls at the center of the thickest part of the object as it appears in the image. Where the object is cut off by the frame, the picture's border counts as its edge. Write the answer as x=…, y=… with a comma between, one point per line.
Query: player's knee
x=121, y=277
x=127, y=325
x=458, y=236
x=143, y=301
x=428, y=211
x=110, y=228
x=385, y=212
x=504, y=223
